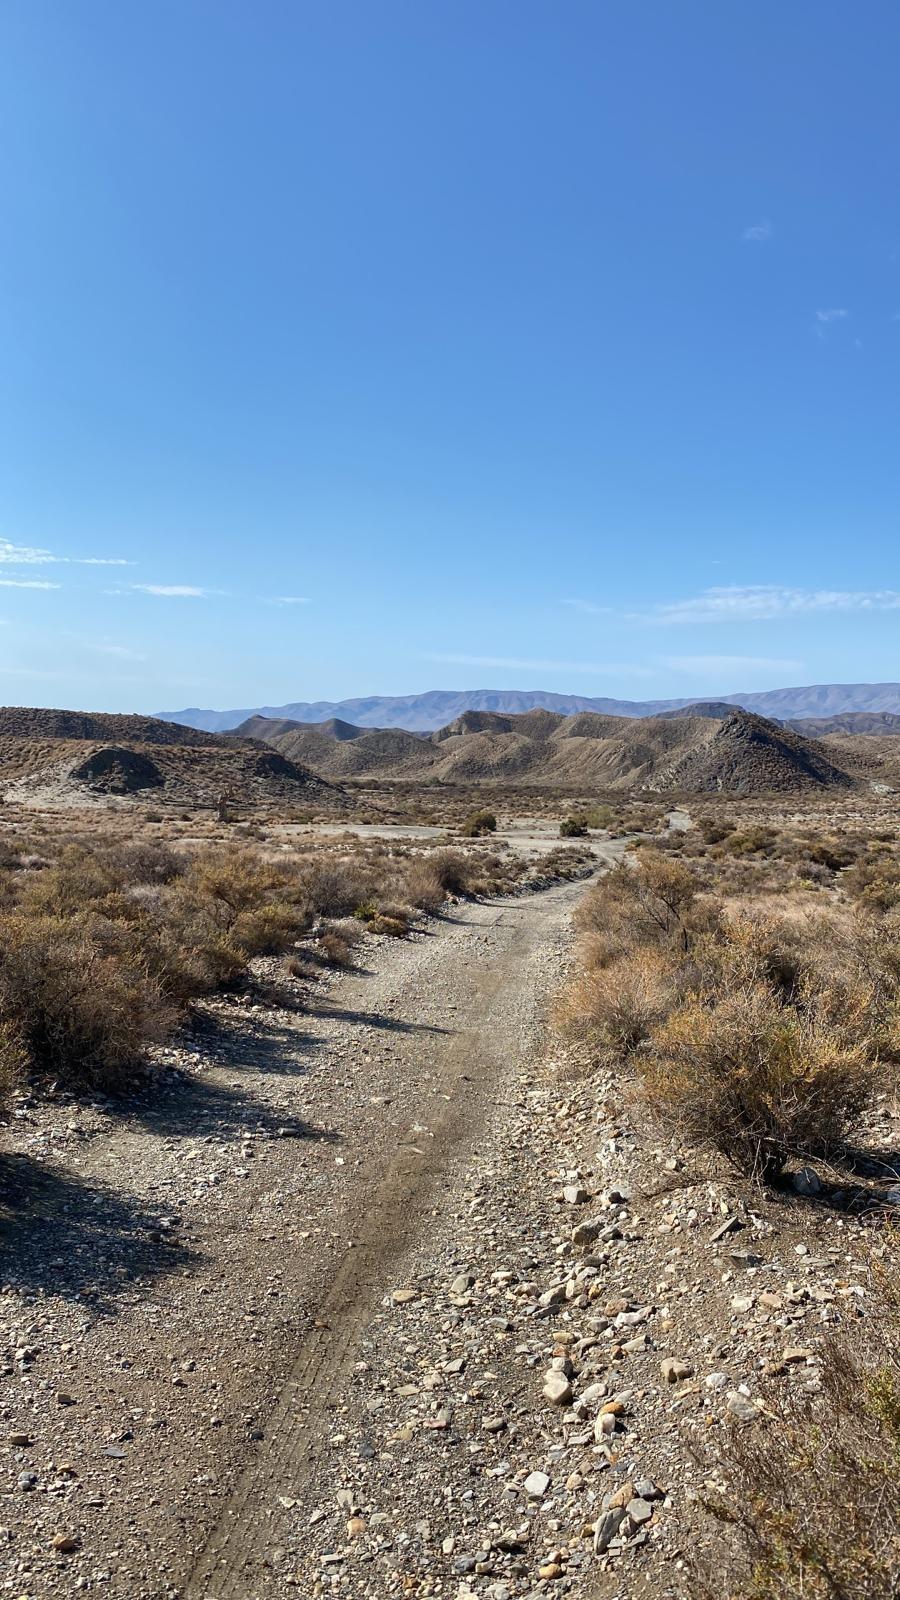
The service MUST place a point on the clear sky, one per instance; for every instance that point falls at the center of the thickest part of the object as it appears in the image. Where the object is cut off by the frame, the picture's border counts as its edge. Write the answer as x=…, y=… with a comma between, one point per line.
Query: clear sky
x=370, y=346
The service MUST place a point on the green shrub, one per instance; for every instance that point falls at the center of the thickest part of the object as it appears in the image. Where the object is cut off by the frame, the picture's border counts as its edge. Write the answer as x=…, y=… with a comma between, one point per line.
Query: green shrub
x=573, y=828
x=479, y=824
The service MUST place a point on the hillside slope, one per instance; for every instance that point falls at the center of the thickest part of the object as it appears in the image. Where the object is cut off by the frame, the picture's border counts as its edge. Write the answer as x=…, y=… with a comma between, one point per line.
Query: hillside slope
x=32, y=722
x=69, y=758
x=861, y=722
x=738, y=752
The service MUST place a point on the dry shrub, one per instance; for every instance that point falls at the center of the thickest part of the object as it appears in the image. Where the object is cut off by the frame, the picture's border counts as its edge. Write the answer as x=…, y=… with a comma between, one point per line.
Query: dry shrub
x=77, y=1013
x=874, y=881
x=336, y=943
x=394, y=927
x=142, y=861
x=617, y=1005
x=391, y=919
x=652, y=902
x=429, y=879
x=77, y=879
x=206, y=926
x=334, y=887
x=754, y=946
x=303, y=967
x=13, y=1063
x=423, y=886
x=452, y=869
x=813, y=1507
x=757, y=1080
x=479, y=824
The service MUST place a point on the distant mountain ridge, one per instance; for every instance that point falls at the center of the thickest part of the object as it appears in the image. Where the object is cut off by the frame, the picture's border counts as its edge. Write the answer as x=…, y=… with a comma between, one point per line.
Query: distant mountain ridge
x=437, y=708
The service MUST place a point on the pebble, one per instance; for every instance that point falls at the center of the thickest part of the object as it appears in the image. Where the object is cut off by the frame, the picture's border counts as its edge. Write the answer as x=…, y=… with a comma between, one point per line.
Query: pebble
x=536, y=1485
x=606, y=1528
x=675, y=1371
x=741, y=1407
x=557, y=1389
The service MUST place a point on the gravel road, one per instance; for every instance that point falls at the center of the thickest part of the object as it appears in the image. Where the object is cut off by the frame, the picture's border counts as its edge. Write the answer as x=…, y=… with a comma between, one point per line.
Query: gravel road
x=188, y=1286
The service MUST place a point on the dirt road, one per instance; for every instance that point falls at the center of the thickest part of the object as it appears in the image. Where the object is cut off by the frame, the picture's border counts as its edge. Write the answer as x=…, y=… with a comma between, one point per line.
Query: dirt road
x=195, y=1280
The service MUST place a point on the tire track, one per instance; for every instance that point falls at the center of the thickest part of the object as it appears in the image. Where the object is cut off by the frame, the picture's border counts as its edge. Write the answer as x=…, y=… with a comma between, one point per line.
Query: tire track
x=472, y=1067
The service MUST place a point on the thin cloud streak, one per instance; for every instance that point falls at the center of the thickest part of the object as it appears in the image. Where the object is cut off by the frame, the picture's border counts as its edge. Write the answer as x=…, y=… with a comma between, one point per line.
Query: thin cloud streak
x=27, y=555
x=179, y=591
x=122, y=652
x=766, y=602
x=27, y=583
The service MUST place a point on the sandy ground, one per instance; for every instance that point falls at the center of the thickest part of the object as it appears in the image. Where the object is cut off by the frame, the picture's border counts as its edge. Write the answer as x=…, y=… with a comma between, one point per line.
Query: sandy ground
x=526, y=835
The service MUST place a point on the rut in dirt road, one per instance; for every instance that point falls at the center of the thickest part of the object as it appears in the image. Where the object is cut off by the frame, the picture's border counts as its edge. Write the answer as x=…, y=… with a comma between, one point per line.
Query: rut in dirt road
x=486, y=976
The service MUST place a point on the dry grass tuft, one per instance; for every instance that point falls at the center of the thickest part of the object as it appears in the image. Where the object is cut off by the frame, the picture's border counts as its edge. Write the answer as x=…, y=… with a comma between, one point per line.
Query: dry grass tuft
x=814, y=1511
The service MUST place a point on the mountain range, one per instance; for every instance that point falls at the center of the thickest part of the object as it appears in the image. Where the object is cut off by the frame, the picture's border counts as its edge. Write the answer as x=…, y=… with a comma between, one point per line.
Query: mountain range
x=437, y=708
x=58, y=757
x=721, y=748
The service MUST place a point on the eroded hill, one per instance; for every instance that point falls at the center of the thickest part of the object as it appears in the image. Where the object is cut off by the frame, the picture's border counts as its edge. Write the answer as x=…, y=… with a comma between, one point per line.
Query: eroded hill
x=58, y=757
x=735, y=752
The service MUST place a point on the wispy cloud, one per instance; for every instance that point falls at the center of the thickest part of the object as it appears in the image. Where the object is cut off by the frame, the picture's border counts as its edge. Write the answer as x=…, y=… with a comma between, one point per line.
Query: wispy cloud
x=27, y=555
x=27, y=583
x=122, y=652
x=181, y=591
x=290, y=600
x=698, y=665
x=759, y=232
x=826, y=320
x=589, y=608
x=520, y=664
x=763, y=602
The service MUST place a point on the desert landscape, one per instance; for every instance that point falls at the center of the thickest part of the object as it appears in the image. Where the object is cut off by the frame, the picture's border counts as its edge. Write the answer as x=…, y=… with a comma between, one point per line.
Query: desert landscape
x=449, y=1163
x=449, y=800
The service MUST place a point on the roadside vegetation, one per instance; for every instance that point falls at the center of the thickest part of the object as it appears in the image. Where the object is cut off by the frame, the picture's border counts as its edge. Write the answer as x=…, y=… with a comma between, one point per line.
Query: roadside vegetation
x=818, y=1518
x=758, y=1025
x=742, y=980
x=105, y=943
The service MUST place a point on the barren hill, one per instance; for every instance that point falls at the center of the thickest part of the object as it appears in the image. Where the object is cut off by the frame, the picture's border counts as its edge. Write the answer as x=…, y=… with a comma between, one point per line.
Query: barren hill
x=59, y=757
x=736, y=752
x=30, y=722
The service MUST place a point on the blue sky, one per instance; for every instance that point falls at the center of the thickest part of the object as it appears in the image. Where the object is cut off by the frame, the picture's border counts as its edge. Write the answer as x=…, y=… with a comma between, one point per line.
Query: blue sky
x=367, y=346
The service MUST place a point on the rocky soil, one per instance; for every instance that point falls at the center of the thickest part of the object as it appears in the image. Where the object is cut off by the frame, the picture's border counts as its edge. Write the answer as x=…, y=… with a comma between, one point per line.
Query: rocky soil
x=376, y=1292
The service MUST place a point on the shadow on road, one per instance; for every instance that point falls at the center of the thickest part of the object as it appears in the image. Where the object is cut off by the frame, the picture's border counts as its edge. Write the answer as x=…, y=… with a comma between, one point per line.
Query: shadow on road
x=194, y=1105
x=62, y=1235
